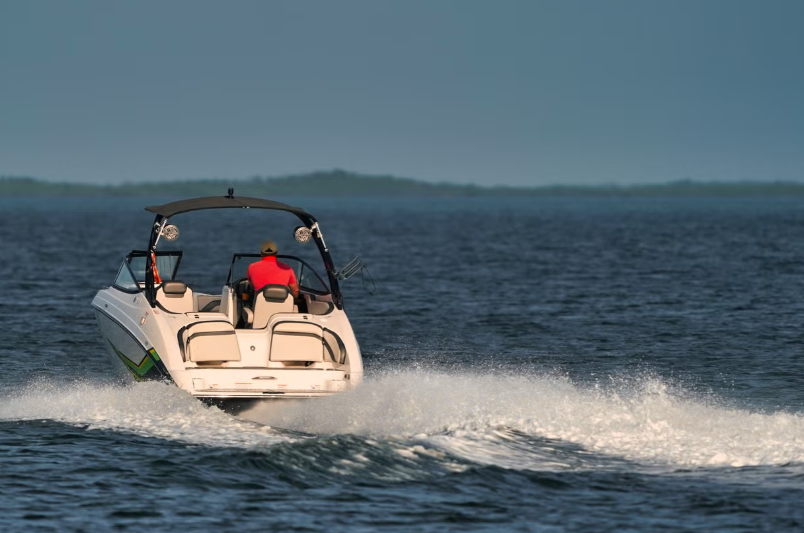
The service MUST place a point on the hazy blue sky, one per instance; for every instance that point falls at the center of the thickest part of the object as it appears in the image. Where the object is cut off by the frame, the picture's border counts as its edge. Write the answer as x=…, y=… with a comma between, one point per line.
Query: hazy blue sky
x=517, y=92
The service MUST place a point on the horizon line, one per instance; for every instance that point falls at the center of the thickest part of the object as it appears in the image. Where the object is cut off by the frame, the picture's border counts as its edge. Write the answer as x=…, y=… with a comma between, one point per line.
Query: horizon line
x=336, y=172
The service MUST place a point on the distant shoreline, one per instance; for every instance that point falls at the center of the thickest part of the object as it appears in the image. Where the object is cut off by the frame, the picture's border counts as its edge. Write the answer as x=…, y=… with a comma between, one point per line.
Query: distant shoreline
x=338, y=183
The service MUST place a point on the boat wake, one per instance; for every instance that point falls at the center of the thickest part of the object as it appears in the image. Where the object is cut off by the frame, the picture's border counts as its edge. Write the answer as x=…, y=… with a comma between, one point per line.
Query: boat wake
x=533, y=422
x=149, y=409
x=491, y=418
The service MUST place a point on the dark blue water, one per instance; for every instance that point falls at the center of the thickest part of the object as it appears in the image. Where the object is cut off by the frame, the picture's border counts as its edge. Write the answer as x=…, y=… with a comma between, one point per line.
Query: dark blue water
x=532, y=365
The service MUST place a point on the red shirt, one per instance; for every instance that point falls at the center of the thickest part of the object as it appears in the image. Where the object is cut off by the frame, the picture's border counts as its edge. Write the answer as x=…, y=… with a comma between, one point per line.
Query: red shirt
x=269, y=271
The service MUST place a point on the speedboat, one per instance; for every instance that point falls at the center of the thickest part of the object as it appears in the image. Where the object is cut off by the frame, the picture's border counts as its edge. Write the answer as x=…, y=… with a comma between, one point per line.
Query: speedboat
x=234, y=348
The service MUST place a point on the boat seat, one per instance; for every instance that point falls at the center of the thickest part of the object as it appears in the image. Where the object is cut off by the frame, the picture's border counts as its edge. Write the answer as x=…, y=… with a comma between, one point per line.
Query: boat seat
x=318, y=307
x=175, y=297
x=297, y=342
x=270, y=300
x=212, y=340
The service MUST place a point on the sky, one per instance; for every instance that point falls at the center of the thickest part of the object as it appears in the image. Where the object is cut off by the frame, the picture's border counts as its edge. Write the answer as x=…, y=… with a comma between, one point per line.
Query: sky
x=511, y=92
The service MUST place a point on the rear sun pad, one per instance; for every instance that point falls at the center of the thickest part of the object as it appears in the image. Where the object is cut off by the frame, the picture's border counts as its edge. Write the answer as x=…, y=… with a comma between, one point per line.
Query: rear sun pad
x=297, y=341
x=210, y=341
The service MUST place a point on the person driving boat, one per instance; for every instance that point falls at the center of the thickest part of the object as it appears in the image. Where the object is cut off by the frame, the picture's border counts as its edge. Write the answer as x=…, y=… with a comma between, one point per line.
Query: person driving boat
x=270, y=271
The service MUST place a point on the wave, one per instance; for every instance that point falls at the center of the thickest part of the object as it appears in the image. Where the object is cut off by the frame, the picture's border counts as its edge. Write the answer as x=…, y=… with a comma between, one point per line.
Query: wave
x=149, y=409
x=486, y=418
x=529, y=421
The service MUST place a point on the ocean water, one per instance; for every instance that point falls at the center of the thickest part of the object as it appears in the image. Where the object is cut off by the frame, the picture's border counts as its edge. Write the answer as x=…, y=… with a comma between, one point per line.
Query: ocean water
x=549, y=364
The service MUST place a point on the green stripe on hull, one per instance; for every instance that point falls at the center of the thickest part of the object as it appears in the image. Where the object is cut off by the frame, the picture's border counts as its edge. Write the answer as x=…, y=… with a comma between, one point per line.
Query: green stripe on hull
x=150, y=367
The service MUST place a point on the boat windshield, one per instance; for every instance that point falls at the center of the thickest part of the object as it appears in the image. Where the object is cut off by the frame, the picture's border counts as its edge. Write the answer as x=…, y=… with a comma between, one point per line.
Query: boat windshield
x=308, y=279
x=167, y=264
x=131, y=276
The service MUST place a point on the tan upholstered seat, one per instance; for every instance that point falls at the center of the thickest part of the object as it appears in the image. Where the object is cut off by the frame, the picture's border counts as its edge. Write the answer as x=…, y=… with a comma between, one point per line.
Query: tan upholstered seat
x=175, y=297
x=297, y=341
x=270, y=300
x=210, y=341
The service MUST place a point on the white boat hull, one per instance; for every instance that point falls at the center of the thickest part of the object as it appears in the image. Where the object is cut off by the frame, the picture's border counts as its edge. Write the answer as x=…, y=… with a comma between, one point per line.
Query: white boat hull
x=146, y=342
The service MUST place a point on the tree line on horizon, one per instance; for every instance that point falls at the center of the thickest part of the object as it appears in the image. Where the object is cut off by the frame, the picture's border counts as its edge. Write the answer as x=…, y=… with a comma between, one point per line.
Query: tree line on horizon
x=344, y=183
